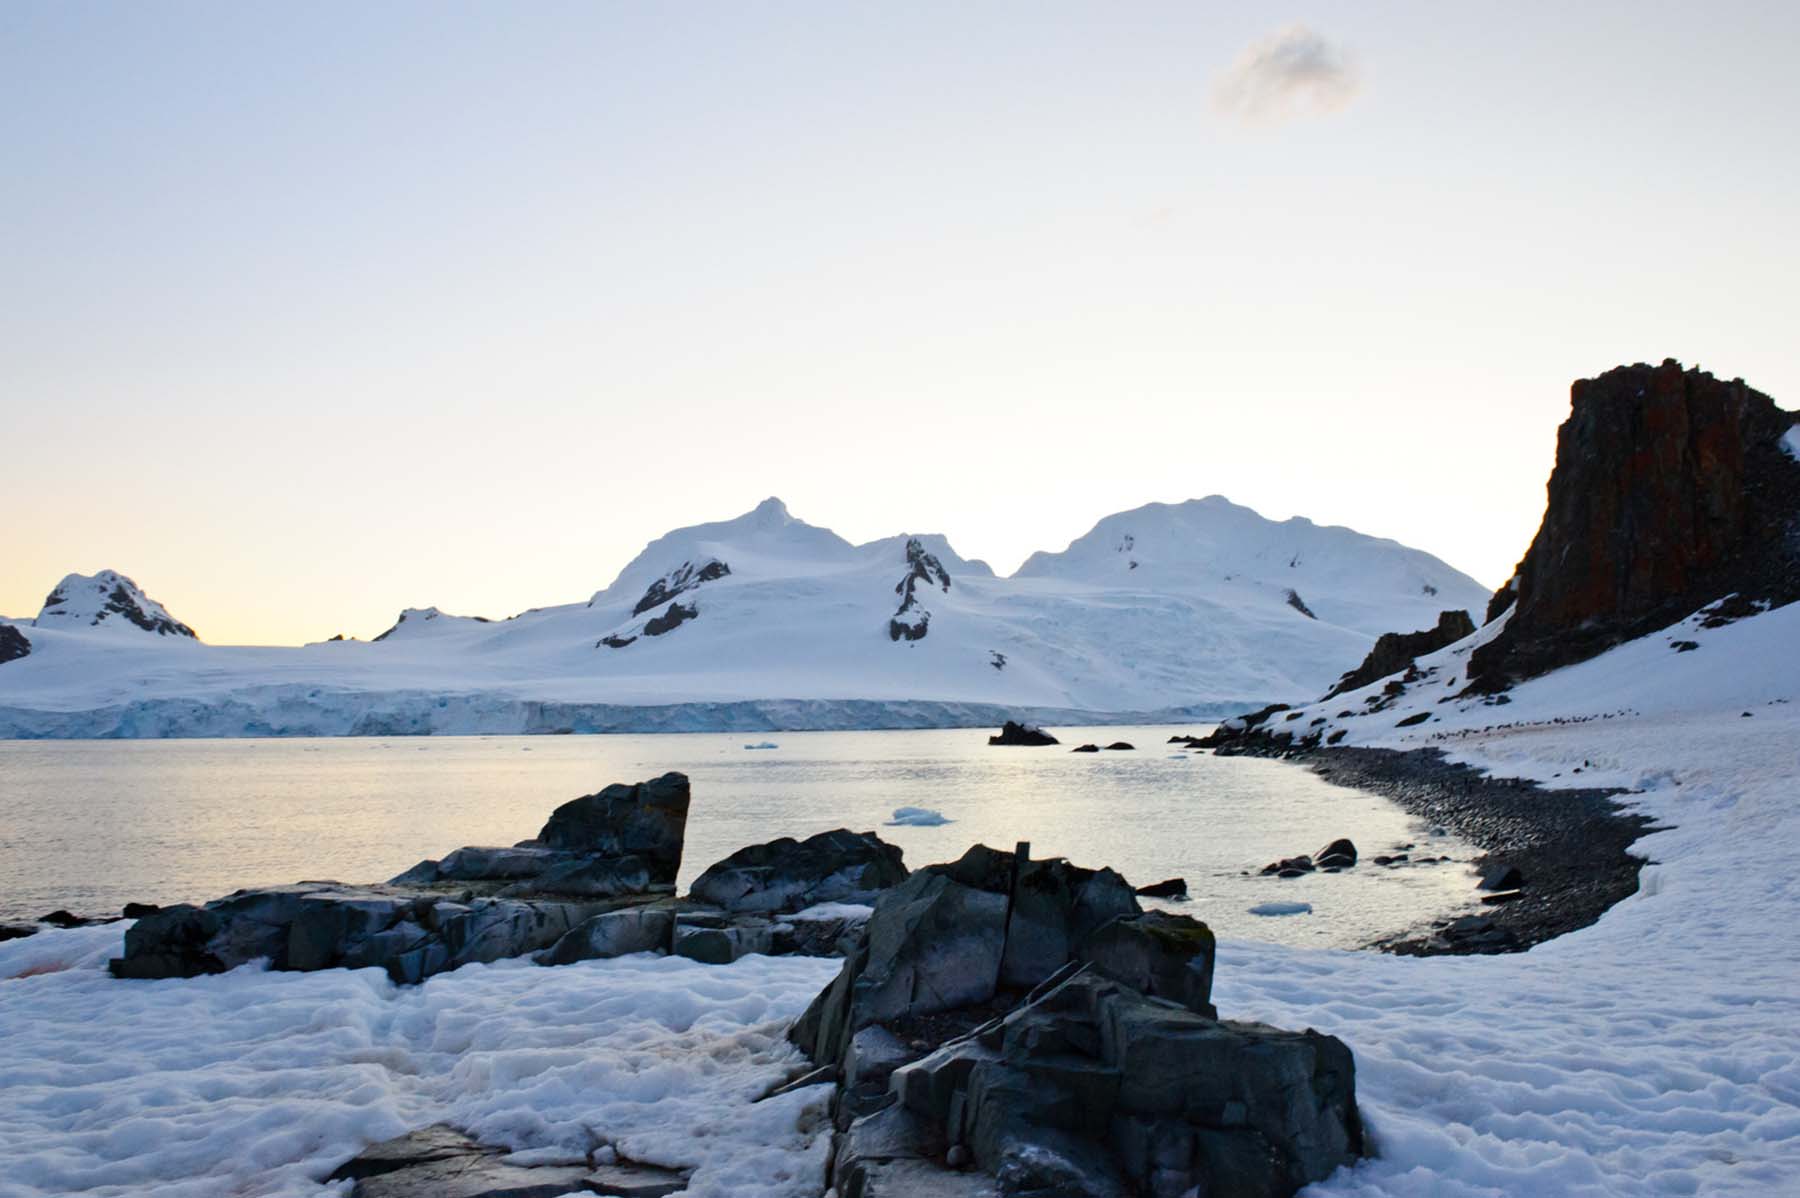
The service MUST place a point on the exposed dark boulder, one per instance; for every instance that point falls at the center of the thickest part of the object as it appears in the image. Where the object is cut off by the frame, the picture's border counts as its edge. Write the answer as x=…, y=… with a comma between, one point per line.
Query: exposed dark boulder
x=1395, y=651
x=789, y=874
x=1089, y=748
x=1237, y=727
x=1338, y=854
x=1499, y=875
x=1172, y=888
x=1671, y=489
x=16, y=931
x=13, y=644
x=642, y=819
x=139, y=910
x=1121, y=746
x=1013, y=733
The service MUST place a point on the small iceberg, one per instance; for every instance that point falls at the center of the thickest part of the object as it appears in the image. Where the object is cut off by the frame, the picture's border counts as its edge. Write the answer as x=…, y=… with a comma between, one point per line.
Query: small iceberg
x=917, y=817
x=1282, y=909
x=763, y=744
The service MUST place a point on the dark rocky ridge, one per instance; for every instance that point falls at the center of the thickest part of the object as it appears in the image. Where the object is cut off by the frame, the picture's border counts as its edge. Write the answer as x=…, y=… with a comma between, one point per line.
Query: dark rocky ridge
x=911, y=621
x=13, y=644
x=678, y=581
x=1394, y=651
x=1671, y=490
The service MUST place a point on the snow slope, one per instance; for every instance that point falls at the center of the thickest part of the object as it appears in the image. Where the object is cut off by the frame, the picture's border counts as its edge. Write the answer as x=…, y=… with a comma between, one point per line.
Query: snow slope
x=1653, y=1053
x=767, y=622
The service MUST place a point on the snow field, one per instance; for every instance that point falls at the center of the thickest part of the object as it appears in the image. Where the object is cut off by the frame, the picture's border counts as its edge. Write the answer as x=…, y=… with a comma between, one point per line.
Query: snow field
x=260, y=1083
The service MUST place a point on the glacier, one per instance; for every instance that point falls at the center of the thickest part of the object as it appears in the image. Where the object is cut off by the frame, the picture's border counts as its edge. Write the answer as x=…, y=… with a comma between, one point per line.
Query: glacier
x=764, y=623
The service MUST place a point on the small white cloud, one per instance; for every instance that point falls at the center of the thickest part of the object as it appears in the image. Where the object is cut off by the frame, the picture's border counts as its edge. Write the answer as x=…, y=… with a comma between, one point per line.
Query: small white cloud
x=1293, y=72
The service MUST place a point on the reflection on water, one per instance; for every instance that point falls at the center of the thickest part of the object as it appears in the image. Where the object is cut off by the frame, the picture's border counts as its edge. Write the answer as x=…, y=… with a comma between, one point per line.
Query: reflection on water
x=90, y=825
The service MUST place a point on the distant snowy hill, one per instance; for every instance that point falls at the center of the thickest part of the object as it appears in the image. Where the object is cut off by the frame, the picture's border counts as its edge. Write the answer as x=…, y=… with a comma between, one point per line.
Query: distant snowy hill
x=766, y=621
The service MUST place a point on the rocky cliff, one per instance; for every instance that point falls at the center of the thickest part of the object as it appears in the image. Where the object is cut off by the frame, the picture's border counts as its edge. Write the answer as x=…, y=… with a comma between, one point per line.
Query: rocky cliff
x=1672, y=490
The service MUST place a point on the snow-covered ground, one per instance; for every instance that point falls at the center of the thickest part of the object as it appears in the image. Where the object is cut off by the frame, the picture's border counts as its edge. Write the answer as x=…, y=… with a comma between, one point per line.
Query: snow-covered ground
x=1656, y=1052
x=1190, y=609
x=257, y=1083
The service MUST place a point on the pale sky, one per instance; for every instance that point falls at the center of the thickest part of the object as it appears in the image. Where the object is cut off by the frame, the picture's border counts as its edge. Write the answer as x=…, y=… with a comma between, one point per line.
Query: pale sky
x=311, y=313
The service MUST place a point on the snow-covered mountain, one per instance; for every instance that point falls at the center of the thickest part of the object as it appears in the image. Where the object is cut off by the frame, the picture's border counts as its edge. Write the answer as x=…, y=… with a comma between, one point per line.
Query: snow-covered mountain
x=766, y=621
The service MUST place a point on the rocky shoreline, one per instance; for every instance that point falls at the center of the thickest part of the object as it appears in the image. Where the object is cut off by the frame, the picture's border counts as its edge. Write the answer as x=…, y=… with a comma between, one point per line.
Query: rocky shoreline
x=1569, y=847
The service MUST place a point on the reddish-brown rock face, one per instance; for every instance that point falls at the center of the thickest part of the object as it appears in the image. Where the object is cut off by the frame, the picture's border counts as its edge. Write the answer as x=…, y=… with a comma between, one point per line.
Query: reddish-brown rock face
x=1671, y=490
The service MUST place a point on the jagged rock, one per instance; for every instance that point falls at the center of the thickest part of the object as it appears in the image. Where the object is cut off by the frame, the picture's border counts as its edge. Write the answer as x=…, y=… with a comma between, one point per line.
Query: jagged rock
x=788, y=875
x=1093, y=1088
x=1298, y=604
x=1670, y=490
x=911, y=620
x=670, y=620
x=1395, y=651
x=1172, y=888
x=595, y=855
x=13, y=644
x=441, y=1162
x=1237, y=727
x=1013, y=733
x=679, y=581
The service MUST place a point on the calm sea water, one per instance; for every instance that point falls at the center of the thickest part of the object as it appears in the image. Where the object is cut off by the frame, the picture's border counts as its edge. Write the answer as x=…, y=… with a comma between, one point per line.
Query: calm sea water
x=90, y=825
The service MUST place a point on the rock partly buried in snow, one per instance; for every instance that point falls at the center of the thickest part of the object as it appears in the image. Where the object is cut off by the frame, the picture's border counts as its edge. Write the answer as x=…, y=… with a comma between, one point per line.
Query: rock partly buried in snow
x=788, y=875
x=912, y=619
x=1671, y=490
x=595, y=855
x=679, y=581
x=441, y=1162
x=675, y=617
x=1395, y=651
x=13, y=644
x=1013, y=733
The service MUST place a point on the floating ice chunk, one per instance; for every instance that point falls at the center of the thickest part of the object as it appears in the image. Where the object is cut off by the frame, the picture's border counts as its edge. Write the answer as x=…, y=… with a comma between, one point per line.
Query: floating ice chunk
x=763, y=744
x=1281, y=908
x=918, y=817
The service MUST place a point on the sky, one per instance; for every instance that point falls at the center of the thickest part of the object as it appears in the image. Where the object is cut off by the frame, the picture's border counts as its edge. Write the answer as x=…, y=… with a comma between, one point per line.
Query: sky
x=312, y=313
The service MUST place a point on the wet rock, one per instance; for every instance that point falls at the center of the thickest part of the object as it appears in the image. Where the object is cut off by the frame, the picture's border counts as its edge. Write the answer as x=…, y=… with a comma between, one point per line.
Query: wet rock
x=1339, y=854
x=15, y=931
x=139, y=910
x=64, y=919
x=595, y=855
x=1088, y=748
x=1121, y=746
x=1172, y=888
x=789, y=875
x=1013, y=733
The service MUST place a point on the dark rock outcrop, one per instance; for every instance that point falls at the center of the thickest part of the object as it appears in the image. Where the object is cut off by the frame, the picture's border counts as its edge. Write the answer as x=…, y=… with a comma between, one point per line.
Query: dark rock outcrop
x=1028, y=1019
x=1395, y=651
x=788, y=875
x=13, y=644
x=679, y=581
x=1671, y=490
x=911, y=620
x=1013, y=733
x=1298, y=604
x=675, y=617
x=595, y=855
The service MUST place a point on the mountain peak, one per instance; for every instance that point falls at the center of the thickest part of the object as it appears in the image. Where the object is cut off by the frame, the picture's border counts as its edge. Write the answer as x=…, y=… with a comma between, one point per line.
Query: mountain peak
x=107, y=599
